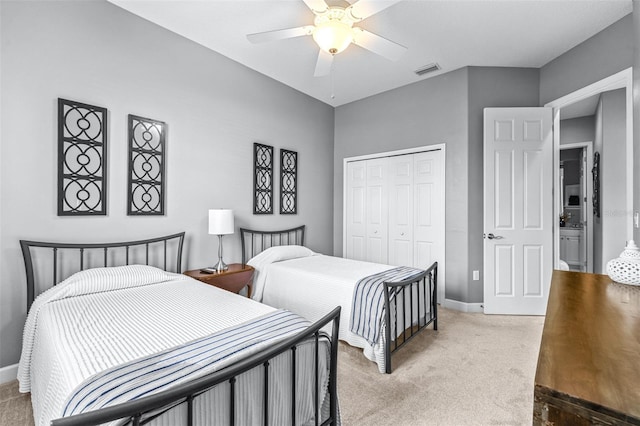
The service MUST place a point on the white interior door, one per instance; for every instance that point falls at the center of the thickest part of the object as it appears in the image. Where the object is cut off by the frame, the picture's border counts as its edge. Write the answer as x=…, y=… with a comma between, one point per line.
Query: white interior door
x=518, y=210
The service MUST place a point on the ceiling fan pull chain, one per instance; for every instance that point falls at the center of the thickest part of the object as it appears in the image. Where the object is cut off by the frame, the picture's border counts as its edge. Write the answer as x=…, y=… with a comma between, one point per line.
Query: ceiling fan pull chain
x=333, y=95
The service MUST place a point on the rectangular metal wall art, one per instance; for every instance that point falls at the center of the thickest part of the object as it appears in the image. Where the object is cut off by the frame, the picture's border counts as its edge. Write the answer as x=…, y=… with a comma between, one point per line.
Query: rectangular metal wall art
x=82, y=159
x=146, y=184
x=262, y=179
x=595, y=171
x=288, y=182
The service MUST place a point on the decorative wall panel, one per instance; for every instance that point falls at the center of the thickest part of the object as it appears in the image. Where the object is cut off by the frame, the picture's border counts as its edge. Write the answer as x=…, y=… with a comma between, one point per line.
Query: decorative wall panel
x=595, y=171
x=146, y=184
x=82, y=159
x=262, y=179
x=288, y=182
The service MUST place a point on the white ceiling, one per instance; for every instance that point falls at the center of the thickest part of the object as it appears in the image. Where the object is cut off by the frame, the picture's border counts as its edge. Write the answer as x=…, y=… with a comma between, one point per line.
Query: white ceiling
x=453, y=33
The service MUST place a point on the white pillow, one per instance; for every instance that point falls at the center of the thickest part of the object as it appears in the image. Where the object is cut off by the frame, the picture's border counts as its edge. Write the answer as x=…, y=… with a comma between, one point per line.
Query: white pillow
x=97, y=280
x=279, y=253
x=94, y=280
x=268, y=256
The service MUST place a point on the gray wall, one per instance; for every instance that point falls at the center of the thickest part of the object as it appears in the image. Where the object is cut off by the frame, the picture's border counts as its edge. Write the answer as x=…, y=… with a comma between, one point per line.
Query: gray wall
x=609, y=230
x=489, y=87
x=574, y=130
x=613, y=175
x=429, y=112
x=604, y=54
x=215, y=108
x=636, y=114
x=597, y=221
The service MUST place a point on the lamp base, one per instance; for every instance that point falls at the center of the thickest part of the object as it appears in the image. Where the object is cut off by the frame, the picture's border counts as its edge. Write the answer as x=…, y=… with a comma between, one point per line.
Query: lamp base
x=220, y=266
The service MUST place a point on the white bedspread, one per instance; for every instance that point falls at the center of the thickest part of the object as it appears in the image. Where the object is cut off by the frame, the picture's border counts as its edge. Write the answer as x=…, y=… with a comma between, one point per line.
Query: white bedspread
x=73, y=333
x=312, y=285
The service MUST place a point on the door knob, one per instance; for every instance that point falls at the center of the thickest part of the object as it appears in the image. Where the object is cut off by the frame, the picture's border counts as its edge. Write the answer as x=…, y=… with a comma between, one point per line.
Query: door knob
x=494, y=237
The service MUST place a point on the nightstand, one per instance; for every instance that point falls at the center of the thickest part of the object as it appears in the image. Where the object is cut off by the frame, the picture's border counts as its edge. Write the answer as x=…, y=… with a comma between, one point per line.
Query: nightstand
x=234, y=279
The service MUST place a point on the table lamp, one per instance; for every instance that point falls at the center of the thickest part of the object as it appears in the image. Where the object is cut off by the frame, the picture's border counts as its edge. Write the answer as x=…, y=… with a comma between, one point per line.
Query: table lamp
x=220, y=224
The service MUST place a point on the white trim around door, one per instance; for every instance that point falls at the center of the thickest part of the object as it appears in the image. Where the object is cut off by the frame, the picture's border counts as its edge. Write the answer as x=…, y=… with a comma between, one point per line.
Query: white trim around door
x=620, y=80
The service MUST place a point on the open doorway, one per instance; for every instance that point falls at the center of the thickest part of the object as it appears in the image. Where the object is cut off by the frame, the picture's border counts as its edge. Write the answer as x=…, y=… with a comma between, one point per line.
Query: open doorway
x=576, y=194
x=612, y=198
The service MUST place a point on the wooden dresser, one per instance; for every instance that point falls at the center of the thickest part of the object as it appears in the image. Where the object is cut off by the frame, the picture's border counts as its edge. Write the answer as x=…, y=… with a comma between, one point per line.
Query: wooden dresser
x=589, y=363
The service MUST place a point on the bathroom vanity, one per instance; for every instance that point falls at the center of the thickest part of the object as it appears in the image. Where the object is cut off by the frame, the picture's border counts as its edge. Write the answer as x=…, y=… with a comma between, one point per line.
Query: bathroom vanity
x=572, y=248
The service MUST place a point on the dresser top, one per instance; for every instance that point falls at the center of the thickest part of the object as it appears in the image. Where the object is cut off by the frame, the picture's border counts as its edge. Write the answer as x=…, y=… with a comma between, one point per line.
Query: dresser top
x=590, y=348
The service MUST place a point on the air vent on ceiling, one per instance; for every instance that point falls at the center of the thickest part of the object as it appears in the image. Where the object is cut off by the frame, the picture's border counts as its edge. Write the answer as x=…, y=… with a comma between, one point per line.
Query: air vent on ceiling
x=427, y=69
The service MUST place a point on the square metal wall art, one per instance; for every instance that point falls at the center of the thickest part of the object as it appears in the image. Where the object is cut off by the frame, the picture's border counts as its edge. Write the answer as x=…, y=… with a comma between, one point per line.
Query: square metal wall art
x=288, y=182
x=262, y=179
x=146, y=182
x=82, y=159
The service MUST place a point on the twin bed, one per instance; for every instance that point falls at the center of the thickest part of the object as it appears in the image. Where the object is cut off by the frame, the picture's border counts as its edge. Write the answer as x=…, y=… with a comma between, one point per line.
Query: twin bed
x=137, y=344
x=140, y=344
x=382, y=307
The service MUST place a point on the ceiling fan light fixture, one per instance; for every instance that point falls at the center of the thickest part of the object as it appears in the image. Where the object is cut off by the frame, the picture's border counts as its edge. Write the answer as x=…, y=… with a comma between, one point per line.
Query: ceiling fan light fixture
x=333, y=35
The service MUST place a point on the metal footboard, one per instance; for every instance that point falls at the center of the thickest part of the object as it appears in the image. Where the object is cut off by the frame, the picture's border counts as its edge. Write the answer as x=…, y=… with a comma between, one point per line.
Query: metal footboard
x=144, y=410
x=415, y=300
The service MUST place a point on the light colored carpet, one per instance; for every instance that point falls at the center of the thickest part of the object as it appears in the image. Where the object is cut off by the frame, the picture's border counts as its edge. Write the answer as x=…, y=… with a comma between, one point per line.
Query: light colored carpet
x=15, y=407
x=475, y=370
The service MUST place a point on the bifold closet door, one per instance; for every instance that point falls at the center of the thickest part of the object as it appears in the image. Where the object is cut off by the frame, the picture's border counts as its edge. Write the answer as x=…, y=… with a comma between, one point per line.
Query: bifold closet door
x=356, y=227
x=401, y=210
x=395, y=211
x=367, y=215
x=376, y=215
x=428, y=224
x=416, y=219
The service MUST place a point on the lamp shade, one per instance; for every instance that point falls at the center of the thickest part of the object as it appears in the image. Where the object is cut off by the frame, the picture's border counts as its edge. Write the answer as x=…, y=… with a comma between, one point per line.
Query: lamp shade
x=220, y=221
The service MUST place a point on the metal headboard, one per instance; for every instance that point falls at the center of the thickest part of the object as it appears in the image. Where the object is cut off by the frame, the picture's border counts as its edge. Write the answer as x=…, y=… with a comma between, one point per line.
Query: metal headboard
x=160, y=246
x=254, y=242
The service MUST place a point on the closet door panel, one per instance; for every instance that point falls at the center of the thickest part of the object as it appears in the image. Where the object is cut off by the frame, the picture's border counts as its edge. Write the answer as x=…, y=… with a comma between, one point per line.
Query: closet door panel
x=424, y=250
x=426, y=232
x=377, y=211
x=356, y=225
x=401, y=210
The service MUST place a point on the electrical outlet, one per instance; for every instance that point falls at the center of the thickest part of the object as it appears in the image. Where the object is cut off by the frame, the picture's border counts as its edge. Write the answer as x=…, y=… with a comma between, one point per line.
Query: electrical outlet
x=476, y=275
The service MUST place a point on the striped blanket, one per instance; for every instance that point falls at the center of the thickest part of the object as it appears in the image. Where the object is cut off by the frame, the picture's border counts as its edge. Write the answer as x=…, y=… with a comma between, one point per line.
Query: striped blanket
x=158, y=372
x=367, y=313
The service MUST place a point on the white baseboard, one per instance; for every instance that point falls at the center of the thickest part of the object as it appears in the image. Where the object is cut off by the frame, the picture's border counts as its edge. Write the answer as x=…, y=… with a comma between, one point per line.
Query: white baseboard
x=463, y=306
x=8, y=373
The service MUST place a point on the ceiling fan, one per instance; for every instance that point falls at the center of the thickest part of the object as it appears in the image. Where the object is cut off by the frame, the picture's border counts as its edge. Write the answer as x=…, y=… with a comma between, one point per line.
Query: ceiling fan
x=333, y=31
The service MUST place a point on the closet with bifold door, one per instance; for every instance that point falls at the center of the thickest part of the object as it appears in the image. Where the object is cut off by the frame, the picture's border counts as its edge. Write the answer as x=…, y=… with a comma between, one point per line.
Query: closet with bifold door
x=394, y=208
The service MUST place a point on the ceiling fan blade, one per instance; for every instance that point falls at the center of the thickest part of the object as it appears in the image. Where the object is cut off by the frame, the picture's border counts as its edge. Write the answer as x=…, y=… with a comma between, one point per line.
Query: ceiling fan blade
x=280, y=34
x=362, y=9
x=323, y=66
x=316, y=5
x=380, y=45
